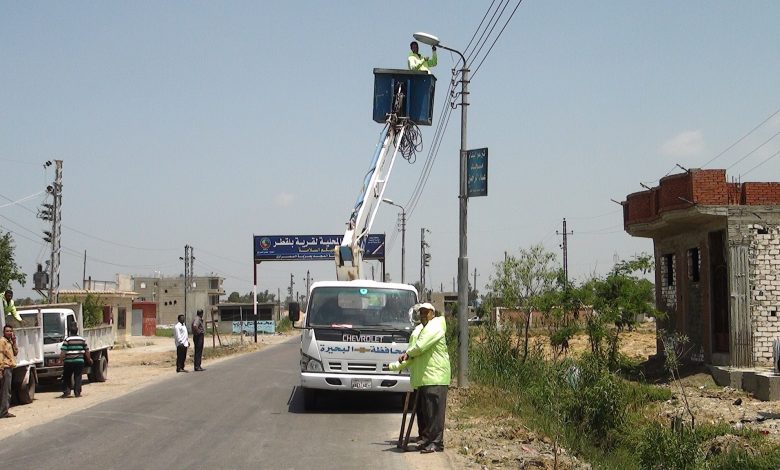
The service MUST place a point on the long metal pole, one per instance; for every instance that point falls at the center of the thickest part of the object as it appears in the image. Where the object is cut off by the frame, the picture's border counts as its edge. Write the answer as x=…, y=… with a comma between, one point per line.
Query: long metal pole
x=403, y=245
x=463, y=260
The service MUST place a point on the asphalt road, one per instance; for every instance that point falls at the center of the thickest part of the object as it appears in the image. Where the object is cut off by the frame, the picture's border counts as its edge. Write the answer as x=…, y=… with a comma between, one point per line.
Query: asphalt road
x=240, y=413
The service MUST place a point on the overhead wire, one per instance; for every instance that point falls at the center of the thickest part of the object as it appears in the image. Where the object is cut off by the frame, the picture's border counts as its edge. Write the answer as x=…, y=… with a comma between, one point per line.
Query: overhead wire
x=757, y=166
x=474, y=73
x=752, y=151
x=777, y=111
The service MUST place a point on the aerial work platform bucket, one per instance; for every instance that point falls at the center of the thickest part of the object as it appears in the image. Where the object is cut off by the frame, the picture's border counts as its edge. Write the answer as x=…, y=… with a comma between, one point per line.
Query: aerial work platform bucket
x=417, y=87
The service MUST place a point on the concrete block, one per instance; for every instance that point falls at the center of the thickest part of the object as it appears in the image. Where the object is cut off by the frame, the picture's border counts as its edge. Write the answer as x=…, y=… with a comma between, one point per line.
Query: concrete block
x=767, y=386
x=726, y=376
x=749, y=383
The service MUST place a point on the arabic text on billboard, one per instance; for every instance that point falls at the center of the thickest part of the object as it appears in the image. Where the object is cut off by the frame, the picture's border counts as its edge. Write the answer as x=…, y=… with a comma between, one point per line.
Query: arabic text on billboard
x=311, y=247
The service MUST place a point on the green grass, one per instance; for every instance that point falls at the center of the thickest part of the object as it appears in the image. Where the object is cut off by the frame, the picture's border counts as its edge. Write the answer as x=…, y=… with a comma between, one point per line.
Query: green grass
x=596, y=412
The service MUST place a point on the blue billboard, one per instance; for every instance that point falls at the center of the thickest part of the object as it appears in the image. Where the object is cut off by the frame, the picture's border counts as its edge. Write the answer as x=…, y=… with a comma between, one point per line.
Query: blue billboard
x=477, y=172
x=311, y=247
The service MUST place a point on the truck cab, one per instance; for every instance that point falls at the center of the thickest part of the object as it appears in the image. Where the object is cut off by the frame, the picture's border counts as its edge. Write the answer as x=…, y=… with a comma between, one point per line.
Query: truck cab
x=352, y=331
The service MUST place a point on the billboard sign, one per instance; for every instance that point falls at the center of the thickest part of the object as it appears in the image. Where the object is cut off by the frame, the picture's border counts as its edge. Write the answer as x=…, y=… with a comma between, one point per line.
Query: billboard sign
x=477, y=172
x=311, y=247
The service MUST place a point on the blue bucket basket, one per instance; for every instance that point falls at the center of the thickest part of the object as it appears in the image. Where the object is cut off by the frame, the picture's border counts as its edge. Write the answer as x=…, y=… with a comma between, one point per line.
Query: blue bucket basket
x=417, y=87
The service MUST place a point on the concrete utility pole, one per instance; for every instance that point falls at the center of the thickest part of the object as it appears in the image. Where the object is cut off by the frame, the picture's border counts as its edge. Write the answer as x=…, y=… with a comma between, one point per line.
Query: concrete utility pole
x=188, y=259
x=565, y=248
x=55, y=236
x=474, y=287
x=425, y=260
x=292, y=283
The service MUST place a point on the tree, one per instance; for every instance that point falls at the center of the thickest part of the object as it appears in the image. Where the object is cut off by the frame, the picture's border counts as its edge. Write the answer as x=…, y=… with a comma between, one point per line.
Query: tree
x=234, y=297
x=520, y=280
x=618, y=298
x=9, y=270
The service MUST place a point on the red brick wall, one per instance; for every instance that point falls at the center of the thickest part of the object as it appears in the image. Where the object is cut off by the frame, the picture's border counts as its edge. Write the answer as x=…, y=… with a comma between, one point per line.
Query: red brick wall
x=760, y=193
x=709, y=187
x=706, y=187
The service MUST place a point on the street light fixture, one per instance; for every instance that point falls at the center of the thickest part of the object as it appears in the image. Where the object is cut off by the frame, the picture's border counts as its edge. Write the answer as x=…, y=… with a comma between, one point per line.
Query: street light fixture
x=463, y=260
x=403, y=236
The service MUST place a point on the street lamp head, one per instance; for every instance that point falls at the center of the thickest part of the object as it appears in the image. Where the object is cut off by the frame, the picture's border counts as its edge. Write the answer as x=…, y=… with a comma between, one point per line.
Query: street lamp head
x=426, y=38
x=389, y=201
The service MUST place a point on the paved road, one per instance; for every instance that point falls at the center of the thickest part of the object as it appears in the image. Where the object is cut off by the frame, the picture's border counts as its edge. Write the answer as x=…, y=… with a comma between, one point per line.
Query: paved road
x=241, y=413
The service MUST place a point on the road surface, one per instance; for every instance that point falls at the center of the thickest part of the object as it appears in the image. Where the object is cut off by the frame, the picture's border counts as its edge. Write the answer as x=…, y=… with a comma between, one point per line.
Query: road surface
x=241, y=413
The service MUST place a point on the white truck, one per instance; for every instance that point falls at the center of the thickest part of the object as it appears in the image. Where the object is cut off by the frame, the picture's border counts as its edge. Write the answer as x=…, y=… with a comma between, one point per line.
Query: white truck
x=29, y=341
x=355, y=328
x=56, y=319
x=352, y=331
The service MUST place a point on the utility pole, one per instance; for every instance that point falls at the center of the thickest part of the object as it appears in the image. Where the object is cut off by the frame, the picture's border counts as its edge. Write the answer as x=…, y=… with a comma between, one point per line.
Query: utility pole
x=565, y=247
x=188, y=259
x=290, y=290
x=425, y=261
x=474, y=287
x=53, y=213
x=403, y=237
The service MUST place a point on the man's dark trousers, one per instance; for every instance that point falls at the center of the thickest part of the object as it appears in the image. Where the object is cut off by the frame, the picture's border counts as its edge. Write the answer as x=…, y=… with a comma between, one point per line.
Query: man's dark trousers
x=5, y=390
x=198, y=339
x=434, y=399
x=71, y=376
x=181, y=355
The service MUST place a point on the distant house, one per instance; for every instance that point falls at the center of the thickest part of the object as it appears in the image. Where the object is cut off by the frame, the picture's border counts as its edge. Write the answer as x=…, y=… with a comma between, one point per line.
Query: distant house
x=168, y=292
x=717, y=256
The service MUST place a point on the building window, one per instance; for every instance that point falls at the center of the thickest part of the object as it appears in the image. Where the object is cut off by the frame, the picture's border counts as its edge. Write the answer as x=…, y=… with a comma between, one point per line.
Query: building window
x=693, y=264
x=213, y=299
x=120, y=320
x=669, y=264
x=213, y=284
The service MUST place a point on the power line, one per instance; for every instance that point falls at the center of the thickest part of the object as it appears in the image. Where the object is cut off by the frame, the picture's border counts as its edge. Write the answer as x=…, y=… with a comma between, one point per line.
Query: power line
x=741, y=138
x=753, y=151
x=769, y=158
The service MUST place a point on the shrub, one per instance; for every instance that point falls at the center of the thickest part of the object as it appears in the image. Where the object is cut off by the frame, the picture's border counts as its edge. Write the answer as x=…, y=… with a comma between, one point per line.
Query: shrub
x=664, y=449
x=284, y=325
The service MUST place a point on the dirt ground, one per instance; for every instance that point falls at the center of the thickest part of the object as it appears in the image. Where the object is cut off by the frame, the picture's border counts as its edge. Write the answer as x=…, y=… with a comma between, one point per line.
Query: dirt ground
x=145, y=360
x=483, y=440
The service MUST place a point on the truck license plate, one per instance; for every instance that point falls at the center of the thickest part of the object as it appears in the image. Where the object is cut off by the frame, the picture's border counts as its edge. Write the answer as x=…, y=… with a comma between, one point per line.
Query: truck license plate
x=361, y=384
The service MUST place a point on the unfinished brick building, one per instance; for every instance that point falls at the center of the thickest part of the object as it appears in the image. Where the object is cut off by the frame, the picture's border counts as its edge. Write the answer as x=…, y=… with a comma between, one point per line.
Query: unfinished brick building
x=717, y=253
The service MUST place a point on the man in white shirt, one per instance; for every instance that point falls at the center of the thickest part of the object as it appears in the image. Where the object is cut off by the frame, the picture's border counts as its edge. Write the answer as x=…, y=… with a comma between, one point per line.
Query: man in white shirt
x=182, y=341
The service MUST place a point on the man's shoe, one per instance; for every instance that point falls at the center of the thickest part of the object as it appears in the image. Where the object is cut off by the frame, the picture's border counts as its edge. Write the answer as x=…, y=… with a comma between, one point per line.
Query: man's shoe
x=184, y=370
x=8, y=415
x=429, y=449
x=178, y=370
x=199, y=369
x=64, y=395
x=78, y=395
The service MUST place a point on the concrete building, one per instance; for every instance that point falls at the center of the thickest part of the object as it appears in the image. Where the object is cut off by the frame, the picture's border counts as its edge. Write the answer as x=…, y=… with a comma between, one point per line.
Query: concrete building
x=168, y=292
x=717, y=254
x=117, y=305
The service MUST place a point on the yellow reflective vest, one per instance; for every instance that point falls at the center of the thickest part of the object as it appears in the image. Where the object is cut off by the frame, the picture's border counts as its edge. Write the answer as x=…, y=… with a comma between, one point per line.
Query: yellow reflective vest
x=429, y=361
x=418, y=62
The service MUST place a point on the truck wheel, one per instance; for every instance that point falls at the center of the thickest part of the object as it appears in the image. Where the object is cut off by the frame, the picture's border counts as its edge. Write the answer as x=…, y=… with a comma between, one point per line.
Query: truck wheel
x=100, y=369
x=309, y=398
x=26, y=392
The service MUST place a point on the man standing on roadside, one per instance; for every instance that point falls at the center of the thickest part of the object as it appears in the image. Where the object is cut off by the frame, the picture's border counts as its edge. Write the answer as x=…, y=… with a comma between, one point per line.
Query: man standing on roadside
x=74, y=353
x=198, y=334
x=430, y=354
x=182, y=341
x=8, y=352
x=415, y=374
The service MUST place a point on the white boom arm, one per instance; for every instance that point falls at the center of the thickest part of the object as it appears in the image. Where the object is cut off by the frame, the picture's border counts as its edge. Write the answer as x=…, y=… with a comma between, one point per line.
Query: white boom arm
x=349, y=256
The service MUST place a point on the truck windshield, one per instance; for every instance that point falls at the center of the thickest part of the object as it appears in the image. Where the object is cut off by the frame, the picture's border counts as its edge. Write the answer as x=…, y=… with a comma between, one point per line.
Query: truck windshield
x=53, y=329
x=360, y=307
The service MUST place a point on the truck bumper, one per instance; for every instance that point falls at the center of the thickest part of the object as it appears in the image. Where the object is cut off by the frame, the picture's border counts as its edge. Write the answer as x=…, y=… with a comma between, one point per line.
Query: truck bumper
x=356, y=382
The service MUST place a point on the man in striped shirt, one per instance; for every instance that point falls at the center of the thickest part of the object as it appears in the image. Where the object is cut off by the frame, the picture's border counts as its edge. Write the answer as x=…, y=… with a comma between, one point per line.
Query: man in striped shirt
x=74, y=353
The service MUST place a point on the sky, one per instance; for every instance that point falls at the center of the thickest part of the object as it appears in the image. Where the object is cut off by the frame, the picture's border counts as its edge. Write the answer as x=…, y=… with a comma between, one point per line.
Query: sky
x=205, y=123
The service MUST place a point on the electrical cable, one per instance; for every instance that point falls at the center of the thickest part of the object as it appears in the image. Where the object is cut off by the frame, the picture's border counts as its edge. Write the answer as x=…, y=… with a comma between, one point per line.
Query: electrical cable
x=474, y=73
x=769, y=158
x=752, y=151
x=741, y=138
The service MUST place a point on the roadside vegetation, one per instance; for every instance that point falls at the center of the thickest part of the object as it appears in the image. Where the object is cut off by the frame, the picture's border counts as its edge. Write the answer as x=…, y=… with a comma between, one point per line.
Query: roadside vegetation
x=598, y=404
